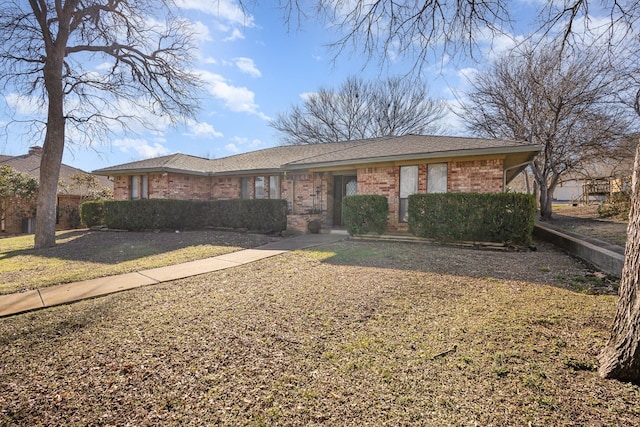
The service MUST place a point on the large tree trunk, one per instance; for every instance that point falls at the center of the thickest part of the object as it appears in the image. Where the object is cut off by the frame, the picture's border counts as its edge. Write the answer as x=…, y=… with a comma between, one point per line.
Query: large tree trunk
x=51, y=157
x=620, y=359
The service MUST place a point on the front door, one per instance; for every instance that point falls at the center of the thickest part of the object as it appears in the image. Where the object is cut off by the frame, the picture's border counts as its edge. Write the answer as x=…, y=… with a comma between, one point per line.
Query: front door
x=343, y=185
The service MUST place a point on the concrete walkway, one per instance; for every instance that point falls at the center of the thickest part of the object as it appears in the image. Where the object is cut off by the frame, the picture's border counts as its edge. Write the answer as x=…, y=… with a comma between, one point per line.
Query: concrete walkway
x=71, y=292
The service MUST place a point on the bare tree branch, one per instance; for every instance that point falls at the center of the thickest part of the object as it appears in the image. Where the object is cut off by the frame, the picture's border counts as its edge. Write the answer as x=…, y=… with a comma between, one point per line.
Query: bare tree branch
x=564, y=102
x=359, y=110
x=49, y=49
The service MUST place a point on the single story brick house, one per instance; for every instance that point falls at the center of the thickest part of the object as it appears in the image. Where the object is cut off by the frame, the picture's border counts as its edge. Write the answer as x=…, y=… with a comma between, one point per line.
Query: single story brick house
x=313, y=179
x=21, y=218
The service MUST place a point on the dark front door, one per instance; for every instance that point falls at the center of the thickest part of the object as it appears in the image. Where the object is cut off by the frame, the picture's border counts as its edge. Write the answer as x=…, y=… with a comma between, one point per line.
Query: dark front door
x=343, y=185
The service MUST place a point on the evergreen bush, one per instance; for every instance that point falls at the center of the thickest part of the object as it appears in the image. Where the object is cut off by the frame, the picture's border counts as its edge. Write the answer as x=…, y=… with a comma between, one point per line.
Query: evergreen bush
x=488, y=217
x=365, y=213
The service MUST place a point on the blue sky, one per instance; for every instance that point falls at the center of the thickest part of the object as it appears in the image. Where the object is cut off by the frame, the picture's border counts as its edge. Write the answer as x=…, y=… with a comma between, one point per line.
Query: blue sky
x=255, y=67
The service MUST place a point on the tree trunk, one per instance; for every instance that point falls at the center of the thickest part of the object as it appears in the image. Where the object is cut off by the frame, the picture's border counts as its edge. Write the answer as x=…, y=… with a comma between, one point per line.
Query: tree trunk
x=51, y=157
x=620, y=359
x=545, y=203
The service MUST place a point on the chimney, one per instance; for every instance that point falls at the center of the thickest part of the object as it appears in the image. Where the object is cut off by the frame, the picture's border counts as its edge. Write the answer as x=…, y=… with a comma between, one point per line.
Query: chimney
x=36, y=149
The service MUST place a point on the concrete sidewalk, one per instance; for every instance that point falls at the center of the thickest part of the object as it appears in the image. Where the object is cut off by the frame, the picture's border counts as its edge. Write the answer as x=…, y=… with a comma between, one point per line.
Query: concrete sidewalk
x=70, y=292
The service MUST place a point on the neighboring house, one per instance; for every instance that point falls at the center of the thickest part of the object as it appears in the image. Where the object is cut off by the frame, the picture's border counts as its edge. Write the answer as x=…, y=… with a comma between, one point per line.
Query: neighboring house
x=313, y=179
x=70, y=194
x=596, y=182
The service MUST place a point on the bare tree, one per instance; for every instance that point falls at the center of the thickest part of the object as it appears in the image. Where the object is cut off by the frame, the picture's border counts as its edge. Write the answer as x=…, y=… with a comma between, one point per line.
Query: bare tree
x=562, y=100
x=413, y=29
x=359, y=109
x=45, y=49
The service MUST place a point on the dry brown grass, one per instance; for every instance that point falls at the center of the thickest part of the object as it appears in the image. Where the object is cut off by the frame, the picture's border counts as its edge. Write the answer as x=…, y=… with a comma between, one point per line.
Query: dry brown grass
x=585, y=220
x=83, y=254
x=355, y=333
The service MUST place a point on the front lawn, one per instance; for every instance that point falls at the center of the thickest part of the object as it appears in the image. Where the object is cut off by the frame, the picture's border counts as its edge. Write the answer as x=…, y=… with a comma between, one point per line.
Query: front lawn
x=354, y=333
x=85, y=254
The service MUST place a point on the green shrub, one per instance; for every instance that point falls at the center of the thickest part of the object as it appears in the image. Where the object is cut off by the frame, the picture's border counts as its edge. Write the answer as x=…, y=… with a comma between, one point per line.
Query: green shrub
x=617, y=206
x=365, y=213
x=151, y=214
x=503, y=217
x=92, y=213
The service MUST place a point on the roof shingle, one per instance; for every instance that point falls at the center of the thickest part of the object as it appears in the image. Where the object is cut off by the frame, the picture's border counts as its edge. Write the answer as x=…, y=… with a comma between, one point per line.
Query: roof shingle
x=301, y=156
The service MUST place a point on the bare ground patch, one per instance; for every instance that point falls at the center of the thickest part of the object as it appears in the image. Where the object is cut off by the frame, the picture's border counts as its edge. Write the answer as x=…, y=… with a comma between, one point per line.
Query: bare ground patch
x=348, y=334
x=585, y=220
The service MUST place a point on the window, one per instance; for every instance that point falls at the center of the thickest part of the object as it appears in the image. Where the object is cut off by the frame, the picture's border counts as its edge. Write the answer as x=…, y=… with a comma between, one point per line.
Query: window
x=145, y=187
x=351, y=187
x=274, y=188
x=408, y=186
x=437, y=178
x=244, y=187
x=135, y=187
x=139, y=187
x=258, y=186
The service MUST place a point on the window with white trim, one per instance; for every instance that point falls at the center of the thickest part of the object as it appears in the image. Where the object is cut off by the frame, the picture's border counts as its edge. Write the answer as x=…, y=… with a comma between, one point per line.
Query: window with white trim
x=144, y=190
x=139, y=187
x=135, y=187
x=274, y=187
x=437, y=178
x=258, y=187
x=408, y=186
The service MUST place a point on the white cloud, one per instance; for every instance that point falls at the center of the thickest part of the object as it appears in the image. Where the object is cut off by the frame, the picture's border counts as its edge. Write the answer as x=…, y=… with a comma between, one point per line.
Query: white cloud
x=247, y=66
x=26, y=105
x=201, y=31
x=202, y=130
x=232, y=148
x=235, y=98
x=236, y=34
x=246, y=143
x=105, y=66
x=141, y=146
x=467, y=74
x=227, y=10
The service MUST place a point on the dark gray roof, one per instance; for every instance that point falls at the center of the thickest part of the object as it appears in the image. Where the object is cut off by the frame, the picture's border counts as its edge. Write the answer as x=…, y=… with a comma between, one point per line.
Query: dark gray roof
x=282, y=158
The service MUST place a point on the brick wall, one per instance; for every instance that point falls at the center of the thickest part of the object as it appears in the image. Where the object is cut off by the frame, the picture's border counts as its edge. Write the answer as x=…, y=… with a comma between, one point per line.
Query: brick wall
x=68, y=214
x=308, y=193
x=476, y=176
x=384, y=181
x=189, y=187
x=167, y=186
x=158, y=186
x=121, y=189
x=226, y=188
x=17, y=209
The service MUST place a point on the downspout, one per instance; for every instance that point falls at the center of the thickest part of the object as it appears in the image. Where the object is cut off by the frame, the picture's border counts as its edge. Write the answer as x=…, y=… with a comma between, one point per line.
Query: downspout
x=504, y=174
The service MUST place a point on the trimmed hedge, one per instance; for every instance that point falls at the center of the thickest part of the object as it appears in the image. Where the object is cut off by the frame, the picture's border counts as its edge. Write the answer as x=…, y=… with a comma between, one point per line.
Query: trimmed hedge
x=489, y=217
x=152, y=214
x=92, y=213
x=365, y=213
